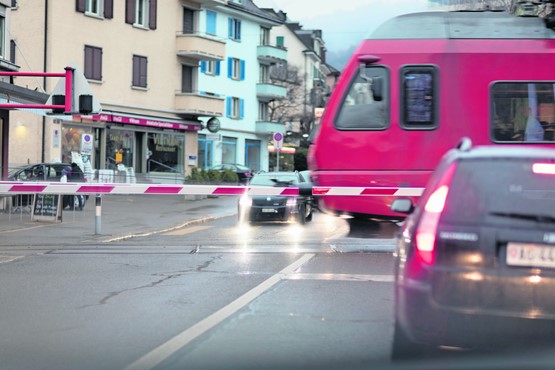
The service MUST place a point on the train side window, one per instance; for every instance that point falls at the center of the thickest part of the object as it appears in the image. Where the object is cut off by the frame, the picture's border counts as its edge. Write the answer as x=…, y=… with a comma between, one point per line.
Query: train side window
x=522, y=111
x=419, y=97
x=366, y=104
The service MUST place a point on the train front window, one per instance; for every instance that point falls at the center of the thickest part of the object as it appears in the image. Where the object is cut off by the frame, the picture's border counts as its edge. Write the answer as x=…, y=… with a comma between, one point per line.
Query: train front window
x=365, y=106
x=522, y=112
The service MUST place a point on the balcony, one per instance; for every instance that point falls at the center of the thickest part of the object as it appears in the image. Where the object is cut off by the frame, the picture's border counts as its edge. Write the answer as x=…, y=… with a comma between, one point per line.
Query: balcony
x=268, y=91
x=271, y=54
x=199, y=104
x=267, y=127
x=199, y=47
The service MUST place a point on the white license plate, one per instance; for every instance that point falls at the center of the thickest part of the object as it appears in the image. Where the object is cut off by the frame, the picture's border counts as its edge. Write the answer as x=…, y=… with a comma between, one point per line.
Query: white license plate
x=268, y=210
x=533, y=255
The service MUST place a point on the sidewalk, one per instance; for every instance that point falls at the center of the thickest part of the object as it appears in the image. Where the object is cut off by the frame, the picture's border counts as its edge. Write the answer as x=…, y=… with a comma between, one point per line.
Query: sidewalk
x=122, y=217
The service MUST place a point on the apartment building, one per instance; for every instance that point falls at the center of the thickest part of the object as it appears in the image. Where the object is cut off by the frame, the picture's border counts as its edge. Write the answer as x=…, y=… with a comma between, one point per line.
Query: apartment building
x=243, y=78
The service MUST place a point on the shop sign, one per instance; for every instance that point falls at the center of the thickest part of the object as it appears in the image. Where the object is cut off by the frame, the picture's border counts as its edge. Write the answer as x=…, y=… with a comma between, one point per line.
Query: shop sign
x=86, y=143
x=213, y=125
x=143, y=122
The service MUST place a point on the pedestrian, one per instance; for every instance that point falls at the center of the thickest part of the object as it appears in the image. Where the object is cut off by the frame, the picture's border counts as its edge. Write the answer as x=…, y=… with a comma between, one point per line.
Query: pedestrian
x=76, y=175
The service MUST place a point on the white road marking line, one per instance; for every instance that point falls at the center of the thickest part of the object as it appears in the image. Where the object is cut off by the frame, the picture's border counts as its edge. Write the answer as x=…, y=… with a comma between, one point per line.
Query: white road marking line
x=342, y=277
x=187, y=230
x=164, y=351
x=5, y=259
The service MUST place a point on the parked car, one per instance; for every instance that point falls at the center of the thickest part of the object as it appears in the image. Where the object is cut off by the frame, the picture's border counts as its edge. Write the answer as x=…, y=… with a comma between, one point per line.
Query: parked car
x=276, y=208
x=475, y=258
x=244, y=173
x=50, y=172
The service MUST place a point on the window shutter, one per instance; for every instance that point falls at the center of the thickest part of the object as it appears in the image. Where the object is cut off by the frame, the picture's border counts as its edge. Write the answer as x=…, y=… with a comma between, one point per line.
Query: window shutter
x=230, y=28
x=242, y=70
x=229, y=67
x=229, y=104
x=98, y=64
x=108, y=9
x=241, y=108
x=130, y=11
x=152, y=15
x=203, y=66
x=80, y=6
x=13, y=47
x=135, y=77
x=88, y=62
x=210, y=22
x=217, y=67
x=143, y=71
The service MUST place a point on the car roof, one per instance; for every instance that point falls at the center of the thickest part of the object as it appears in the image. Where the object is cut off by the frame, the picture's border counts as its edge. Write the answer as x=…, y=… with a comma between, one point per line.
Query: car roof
x=503, y=152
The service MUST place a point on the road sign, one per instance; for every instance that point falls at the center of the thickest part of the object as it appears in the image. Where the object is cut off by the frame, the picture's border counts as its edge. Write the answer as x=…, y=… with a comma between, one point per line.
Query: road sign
x=278, y=140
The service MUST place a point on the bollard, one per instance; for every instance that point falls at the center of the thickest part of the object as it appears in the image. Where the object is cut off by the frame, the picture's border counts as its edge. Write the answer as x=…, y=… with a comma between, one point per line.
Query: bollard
x=98, y=218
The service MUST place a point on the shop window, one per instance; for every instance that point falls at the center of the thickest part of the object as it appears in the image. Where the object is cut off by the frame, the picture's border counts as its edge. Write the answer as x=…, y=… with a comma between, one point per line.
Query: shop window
x=229, y=150
x=252, y=154
x=165, y=153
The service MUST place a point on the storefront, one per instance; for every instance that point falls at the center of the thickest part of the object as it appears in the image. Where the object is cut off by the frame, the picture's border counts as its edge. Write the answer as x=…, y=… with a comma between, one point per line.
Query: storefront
x=131, y=144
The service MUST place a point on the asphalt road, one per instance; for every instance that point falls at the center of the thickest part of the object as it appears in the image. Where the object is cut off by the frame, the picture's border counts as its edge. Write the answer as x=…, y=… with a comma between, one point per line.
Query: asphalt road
x=206, y=296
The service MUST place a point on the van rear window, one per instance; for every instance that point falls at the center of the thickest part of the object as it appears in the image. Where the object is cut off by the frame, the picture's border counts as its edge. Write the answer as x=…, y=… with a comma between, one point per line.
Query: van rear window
x=494, y=189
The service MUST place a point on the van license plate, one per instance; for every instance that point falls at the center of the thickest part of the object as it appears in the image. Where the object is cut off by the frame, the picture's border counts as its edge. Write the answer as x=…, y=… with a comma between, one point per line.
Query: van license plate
x=533, y=255
x=268, y=210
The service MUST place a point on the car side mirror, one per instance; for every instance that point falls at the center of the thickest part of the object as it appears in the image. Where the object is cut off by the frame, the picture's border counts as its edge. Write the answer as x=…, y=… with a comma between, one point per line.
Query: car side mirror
x=402, y=205
x=305, y=189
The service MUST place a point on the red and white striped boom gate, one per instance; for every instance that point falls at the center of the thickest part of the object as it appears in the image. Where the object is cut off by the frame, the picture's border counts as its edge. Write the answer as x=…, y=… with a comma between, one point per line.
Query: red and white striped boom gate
x=14, y=188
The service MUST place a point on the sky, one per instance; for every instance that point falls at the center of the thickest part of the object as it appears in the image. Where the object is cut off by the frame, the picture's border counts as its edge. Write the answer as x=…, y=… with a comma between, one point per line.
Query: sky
x=344, y=23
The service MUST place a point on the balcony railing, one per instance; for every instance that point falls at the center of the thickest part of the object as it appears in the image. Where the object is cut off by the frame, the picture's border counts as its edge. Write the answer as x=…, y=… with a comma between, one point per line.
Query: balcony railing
x=271, y=54
x=267, y=127
x=269, y=91
x=199, y=46
x=199, y=103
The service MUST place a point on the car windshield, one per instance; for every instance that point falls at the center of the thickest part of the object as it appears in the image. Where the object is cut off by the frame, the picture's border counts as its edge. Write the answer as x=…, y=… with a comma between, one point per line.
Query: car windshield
x=274, y=180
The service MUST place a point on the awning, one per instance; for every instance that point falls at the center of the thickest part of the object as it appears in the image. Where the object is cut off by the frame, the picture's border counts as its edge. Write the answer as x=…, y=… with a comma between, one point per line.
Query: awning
x=181, y=125
x=284, y=150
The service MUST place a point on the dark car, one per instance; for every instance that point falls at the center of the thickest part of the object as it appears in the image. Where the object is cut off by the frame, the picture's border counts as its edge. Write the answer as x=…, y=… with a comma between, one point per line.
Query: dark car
x=49, y=172
x=244, y=173
x=276, y=208
x=475, y=258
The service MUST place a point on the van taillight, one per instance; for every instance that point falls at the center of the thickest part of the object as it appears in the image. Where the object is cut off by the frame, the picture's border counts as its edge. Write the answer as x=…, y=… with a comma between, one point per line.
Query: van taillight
x=427, y=228
x=544, y=168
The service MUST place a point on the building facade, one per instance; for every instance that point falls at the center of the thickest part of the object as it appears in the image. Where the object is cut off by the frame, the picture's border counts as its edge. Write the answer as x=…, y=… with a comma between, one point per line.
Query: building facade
x=141, y=61
x=243, y=79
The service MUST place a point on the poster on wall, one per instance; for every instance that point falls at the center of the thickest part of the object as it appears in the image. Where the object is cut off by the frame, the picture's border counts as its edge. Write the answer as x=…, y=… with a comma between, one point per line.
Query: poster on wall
x=86, y=143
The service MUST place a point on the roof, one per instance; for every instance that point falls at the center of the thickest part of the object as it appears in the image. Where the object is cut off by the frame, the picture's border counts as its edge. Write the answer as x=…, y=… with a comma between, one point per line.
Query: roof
x=249, y=7
x=505, y=152
x=463, y=25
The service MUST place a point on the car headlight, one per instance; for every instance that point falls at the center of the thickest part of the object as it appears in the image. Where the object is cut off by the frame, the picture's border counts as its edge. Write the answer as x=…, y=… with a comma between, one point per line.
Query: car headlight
x=291, y=202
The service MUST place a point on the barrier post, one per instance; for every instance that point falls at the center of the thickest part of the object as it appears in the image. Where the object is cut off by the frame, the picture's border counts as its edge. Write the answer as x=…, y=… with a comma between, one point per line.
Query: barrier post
x=98, y=217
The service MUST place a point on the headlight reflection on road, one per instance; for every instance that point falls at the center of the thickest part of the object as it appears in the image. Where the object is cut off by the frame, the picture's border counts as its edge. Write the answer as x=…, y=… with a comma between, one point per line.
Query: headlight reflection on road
x=294, y=233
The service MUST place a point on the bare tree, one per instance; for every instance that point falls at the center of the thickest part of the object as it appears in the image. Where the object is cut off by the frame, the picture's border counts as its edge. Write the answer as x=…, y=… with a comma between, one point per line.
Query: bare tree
x=289, y=108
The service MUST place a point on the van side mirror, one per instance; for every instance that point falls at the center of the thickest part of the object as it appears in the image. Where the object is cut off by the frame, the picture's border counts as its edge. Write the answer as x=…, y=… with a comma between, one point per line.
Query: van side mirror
x=402, y=205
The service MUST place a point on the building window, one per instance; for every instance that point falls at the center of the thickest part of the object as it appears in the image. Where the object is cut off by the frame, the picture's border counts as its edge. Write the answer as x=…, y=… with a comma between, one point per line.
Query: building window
x=234, y=29
x=211, y=22
x=235, y=68
x=263, y=111
x=141, y=13
x=2, y=37
x=280, y=41
x=229, y=150
x=93, y=63
x=187, y=79
x=139, y=71
x=100, y=8
x=264, y=73
x=264, y=36
x=188, y=21
x=211, y=67
x=235, y=107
